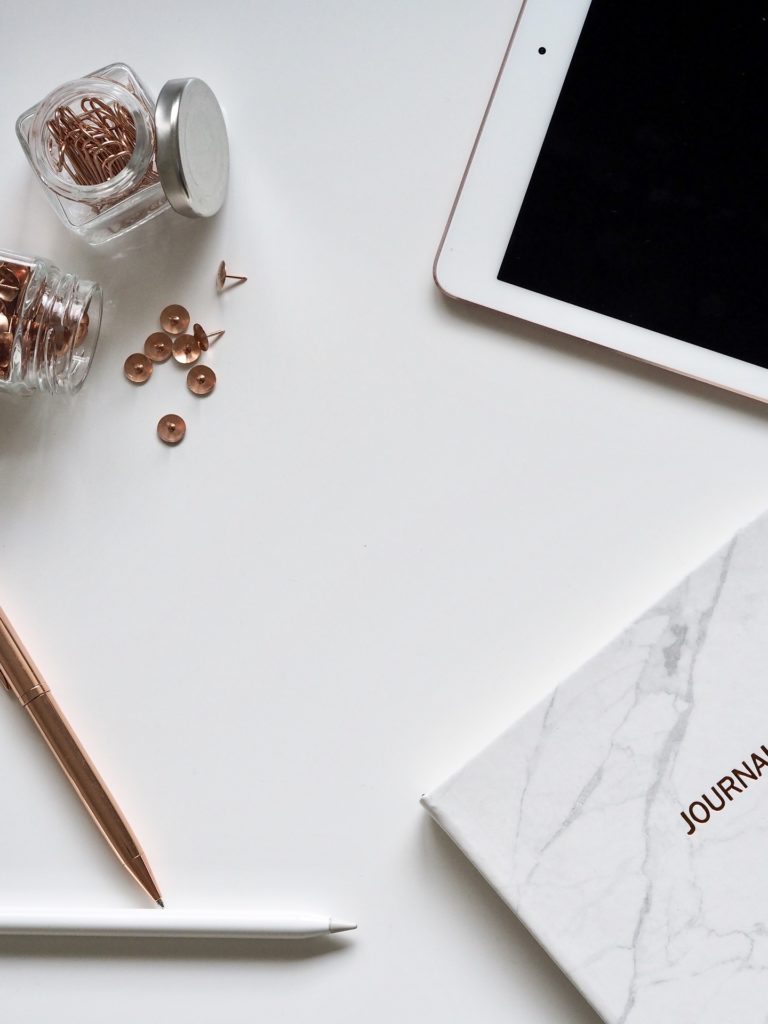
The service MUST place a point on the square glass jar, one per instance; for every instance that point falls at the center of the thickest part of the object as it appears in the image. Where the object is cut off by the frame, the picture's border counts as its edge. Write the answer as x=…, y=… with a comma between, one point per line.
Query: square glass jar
x=110, y=157
x=109, y=208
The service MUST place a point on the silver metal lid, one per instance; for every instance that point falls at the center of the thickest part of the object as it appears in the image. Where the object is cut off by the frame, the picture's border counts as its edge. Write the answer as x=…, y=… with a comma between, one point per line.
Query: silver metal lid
x=192, y=147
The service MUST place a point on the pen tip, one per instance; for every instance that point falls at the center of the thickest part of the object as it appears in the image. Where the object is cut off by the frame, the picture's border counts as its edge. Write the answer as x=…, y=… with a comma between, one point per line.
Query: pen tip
x=160, y=904
x=341, y=926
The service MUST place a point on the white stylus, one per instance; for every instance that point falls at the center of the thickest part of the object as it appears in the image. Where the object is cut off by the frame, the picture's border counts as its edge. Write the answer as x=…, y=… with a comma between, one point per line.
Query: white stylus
x=169, y=924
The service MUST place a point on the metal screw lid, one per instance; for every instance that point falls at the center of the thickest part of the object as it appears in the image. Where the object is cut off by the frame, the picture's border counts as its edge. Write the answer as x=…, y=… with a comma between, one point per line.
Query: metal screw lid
x=192, y=147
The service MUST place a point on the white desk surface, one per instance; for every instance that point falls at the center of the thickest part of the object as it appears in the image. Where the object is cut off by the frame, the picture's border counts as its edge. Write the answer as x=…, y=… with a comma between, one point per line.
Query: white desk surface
x=395, y=525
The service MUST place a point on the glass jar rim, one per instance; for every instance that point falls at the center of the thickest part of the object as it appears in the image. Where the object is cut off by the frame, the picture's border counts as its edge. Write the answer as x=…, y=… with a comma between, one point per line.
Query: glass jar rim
x=82, y=353
x=72, y=92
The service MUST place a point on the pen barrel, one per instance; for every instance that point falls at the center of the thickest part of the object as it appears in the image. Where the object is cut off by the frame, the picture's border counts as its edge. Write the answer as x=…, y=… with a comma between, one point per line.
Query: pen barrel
x=166, y=925
x=18, y=672
x=22, y=678
x=90, y=787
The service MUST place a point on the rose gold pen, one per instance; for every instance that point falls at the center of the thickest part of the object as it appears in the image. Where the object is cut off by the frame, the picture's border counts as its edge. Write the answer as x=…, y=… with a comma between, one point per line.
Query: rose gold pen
x=20, y=676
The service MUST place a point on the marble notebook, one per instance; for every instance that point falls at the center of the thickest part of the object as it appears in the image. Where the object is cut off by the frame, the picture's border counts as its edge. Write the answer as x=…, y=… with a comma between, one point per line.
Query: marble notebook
x=624, y=818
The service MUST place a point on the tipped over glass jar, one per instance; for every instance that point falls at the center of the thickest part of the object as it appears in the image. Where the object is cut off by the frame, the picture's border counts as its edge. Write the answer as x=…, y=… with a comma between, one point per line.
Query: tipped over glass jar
x=49, y=326
x=111, y=158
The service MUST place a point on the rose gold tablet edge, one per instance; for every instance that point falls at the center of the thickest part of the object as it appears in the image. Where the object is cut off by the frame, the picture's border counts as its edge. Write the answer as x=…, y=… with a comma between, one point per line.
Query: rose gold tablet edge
x=472, y=157
x=512, y=316
x=620, y=352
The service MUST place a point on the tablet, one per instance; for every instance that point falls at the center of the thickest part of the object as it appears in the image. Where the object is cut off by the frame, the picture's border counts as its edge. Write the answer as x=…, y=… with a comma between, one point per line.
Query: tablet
x=618, y=188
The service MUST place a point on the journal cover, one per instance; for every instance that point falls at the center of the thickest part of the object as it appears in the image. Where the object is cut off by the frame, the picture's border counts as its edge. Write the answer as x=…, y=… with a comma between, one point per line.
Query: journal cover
x=625, y=819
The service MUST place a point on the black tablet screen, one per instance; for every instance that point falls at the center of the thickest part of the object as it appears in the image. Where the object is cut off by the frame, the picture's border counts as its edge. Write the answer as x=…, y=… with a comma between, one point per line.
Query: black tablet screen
x=649, y=199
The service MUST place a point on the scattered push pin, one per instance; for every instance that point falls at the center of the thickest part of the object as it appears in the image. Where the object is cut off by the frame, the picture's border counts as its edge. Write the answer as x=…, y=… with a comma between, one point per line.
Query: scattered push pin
x=138, y=368
x=201, y=380
x=174, y=319
x=158, y=347
x=171, y=429
x=186, y=349
x=222, y=277
x=203, y=339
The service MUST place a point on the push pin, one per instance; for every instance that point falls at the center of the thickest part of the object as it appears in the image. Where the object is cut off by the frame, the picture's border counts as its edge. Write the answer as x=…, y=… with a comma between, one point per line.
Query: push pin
x=201, y=380
x=186, y=349
x=158, y=347
x=6, y=342
x=9, y=284
x=60, y=340
x=171, y=429
x=138, y=368
x=83, y=327
x=222, y=277
x=204, y=339
x=174, y=319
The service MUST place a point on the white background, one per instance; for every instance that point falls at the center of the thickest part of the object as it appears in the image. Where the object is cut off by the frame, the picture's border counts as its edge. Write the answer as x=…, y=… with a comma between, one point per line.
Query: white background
x=394, y=525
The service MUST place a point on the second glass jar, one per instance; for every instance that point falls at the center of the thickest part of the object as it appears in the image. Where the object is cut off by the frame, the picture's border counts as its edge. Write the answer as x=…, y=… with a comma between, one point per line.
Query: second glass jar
x=49, y=326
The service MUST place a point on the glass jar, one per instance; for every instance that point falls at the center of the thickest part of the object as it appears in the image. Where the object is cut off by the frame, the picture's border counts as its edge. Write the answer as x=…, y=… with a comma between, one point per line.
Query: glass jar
x=111, y=158
x=49, y=326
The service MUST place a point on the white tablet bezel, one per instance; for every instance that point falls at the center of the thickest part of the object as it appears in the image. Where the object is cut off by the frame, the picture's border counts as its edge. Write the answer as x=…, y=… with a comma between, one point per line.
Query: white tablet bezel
x=492, y=190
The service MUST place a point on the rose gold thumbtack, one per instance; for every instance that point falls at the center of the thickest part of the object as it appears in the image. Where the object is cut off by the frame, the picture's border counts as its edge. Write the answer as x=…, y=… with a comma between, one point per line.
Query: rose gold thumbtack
x=171, y=429
x=186, y=349
x=174, y=319
x=138, y=368
x=9, y=285
x=203, y=339
x=60, y=341
x=201, y=380
x=222, y=277
x=6, y=342
x=158, y=347
x=83, y=327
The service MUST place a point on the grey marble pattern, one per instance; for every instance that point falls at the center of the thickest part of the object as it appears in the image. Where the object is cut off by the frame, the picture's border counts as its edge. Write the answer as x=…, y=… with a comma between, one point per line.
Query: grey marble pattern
x=574, y=814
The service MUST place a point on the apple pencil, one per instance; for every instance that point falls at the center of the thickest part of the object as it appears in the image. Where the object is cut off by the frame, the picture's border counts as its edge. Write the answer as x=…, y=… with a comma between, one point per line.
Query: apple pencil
x=172, y=924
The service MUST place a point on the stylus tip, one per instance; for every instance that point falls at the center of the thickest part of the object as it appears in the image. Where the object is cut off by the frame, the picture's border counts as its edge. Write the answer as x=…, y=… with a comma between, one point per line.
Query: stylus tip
x=342, y=926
